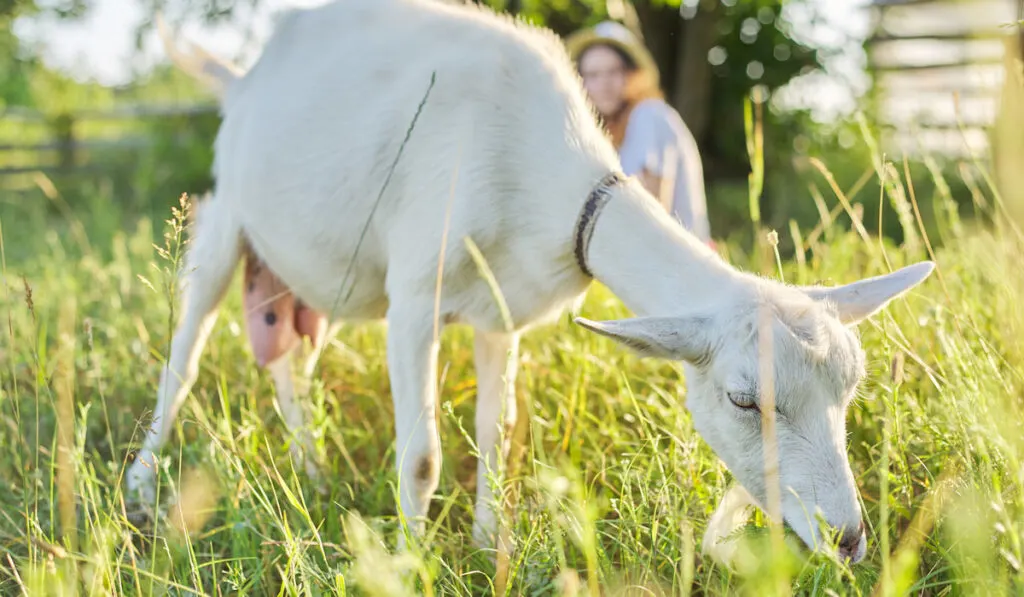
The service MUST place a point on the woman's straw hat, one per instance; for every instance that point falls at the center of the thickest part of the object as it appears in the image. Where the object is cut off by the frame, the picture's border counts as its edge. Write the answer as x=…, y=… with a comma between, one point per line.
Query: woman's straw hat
x=616, y=35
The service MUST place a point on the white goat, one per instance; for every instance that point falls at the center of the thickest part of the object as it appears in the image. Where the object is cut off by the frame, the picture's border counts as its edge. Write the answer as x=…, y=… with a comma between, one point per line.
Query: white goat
x=308, y=137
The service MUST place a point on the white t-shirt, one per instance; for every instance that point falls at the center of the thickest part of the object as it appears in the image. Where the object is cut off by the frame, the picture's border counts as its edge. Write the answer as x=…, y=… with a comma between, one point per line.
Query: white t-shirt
x=657, y=140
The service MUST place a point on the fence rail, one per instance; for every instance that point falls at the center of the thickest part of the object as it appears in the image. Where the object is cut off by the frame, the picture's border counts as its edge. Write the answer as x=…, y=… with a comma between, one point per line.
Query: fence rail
x=923, y=52
x=67, y=149
x=130, y=111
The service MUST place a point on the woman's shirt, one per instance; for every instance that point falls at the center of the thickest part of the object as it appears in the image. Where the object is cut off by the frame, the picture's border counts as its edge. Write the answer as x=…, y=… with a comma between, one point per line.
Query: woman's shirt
x=658, y=141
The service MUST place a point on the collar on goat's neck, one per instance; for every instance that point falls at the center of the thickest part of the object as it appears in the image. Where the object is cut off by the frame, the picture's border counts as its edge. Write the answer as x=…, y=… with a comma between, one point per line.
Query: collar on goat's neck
x=644, y=256
x=596, y=201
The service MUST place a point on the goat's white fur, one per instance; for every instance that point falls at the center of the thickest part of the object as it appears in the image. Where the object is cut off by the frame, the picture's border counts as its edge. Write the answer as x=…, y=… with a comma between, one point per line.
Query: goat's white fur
x=308, y=136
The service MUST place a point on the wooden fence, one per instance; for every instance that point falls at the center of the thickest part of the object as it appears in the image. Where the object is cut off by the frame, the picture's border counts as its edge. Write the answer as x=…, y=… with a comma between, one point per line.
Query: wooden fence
x=65, y=147
x=940, y=69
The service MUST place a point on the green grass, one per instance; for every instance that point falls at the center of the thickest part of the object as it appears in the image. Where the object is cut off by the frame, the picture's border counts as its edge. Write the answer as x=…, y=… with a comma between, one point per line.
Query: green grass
x=612, y=494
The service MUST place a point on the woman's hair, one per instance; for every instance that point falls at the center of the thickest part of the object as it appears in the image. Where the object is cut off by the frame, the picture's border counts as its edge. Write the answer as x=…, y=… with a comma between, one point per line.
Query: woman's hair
x=639, y=87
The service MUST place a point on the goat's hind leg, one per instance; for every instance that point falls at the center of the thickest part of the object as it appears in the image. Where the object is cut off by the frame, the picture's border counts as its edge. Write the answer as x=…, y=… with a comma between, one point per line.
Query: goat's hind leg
x=412, y=368
x=213, y=255
x=292, y=396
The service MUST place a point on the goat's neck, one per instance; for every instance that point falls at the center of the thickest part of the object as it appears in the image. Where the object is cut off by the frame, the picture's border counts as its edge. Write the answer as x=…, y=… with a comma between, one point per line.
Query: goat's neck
x=644, y=257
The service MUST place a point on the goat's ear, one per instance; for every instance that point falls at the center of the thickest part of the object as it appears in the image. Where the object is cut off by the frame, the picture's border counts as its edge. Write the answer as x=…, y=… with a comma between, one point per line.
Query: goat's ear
x=676, y=338
x=860, y=300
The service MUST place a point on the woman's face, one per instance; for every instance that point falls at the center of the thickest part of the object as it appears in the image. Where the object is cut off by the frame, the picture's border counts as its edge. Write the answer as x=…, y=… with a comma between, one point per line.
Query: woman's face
x=604, y=75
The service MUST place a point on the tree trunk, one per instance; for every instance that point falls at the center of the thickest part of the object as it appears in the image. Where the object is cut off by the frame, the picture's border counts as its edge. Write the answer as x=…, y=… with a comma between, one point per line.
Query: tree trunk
x=680, y=48
x=661, y=28
x=692, y=93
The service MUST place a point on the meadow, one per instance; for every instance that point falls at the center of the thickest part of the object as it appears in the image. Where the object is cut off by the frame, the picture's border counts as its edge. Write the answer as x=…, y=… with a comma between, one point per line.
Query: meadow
x=611, y=488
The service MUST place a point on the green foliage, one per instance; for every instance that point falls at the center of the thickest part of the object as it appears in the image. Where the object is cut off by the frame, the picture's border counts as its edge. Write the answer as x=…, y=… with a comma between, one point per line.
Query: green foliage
x=10, y=8
x=14, y=69
x=750, y=34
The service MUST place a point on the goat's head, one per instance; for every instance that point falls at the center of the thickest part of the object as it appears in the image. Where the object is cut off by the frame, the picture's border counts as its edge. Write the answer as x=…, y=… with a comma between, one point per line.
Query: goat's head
x=795, y=348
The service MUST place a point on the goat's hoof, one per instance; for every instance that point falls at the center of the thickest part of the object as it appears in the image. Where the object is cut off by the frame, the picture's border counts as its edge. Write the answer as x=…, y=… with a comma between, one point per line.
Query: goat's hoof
x=140, y=482
x=483, y=536
x=412, y=534
x=312, y=469
x=494, y=543
x=140, y=515
x=321, y=486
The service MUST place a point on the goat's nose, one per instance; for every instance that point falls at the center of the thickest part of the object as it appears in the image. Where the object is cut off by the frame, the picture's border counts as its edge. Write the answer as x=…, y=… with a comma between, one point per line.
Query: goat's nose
x=849, y=544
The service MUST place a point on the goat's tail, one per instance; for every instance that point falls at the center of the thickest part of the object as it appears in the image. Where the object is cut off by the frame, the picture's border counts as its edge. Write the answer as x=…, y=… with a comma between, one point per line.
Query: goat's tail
x=214, y=73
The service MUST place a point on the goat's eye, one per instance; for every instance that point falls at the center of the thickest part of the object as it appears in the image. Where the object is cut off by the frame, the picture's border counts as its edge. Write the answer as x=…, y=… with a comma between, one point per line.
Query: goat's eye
x=743, y=400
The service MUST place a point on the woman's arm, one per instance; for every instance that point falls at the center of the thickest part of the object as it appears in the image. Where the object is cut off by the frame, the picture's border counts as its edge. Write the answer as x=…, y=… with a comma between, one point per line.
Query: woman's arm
x=642, y=154
x=655, y=185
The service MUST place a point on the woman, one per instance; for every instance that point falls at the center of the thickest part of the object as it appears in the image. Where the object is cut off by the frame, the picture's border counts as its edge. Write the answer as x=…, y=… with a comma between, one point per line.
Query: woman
x=654, y=145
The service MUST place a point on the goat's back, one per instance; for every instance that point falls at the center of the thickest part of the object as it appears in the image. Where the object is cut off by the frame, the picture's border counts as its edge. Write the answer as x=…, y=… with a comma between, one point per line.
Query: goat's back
x=313, y=130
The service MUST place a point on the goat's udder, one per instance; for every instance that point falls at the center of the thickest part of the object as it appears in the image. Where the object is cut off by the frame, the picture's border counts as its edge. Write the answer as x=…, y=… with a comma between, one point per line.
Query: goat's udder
x=275, y=320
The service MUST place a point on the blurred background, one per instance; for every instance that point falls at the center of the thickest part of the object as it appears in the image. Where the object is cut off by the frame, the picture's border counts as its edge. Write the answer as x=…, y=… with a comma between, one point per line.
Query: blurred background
x=92, y=113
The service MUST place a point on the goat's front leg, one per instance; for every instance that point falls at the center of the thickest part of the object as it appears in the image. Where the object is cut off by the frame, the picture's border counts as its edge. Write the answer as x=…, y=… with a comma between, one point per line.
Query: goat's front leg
x=412, y=367
x=176, y=381
x=497, y=360
x=211, y=262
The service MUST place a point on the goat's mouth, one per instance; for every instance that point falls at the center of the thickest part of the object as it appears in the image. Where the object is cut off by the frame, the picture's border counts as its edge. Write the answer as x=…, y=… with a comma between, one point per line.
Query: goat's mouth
x=850, y=552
